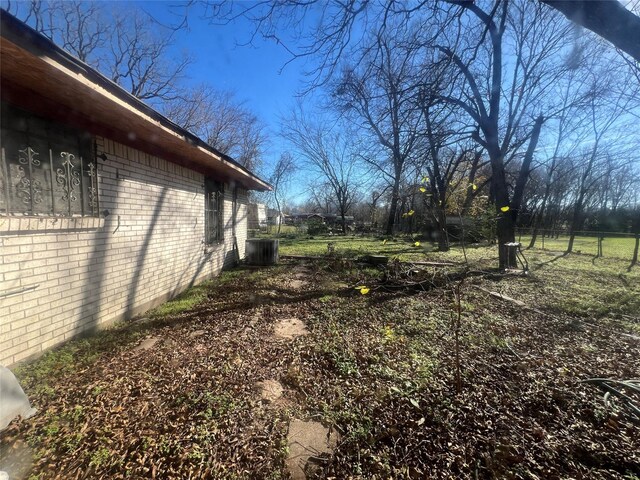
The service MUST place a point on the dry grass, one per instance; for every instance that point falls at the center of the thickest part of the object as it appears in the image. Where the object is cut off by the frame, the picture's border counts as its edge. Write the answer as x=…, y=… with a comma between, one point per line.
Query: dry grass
x=378, y=367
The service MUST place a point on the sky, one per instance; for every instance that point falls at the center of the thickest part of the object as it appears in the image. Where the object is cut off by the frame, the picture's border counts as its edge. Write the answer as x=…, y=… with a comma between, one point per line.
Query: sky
x=253, y=71
x=221, y=57
x=260, y=74
x=257, y=73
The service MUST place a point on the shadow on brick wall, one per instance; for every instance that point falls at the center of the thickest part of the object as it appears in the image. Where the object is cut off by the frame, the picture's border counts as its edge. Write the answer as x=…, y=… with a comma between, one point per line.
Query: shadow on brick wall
x=142, y=254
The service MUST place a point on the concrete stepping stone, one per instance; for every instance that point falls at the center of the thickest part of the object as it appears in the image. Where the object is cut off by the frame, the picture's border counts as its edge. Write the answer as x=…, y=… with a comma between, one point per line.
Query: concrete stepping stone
x=300, y=278
x=298, y=284
x=290, y=328
x=147, y=344
x=197, y=333
x=270, y=390
x=306, y=440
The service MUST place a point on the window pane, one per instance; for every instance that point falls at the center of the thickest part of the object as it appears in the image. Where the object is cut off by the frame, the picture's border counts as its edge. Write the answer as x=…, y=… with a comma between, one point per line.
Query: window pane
x=89, y=177
x=213, y=211
x=21, y=161
x=66, y=171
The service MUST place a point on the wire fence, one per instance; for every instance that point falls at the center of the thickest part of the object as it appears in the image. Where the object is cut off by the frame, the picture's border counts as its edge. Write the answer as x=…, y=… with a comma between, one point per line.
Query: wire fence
x=601, y=244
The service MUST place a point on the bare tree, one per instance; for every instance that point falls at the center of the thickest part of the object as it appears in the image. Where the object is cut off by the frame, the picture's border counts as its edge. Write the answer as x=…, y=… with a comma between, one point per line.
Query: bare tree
x=503, y=102
x=596, y=164
x=502, y=57
x=620, y=184
x=124, y=44
x=568, y=137
x=330, y=154
x=279, y=180
x=139, y=58
x=448, y=154
x=83, y=31
x=321, y=199
x=76, y=26
x=380, y=96
x=225, y=122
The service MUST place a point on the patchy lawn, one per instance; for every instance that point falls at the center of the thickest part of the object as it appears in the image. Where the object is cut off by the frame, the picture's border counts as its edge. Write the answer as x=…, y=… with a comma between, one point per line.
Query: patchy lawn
x=612, y=247
x=403, y=248
x=377, y=368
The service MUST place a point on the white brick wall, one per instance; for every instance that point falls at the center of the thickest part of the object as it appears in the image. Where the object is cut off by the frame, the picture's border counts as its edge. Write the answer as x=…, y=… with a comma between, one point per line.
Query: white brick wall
x=68, y=276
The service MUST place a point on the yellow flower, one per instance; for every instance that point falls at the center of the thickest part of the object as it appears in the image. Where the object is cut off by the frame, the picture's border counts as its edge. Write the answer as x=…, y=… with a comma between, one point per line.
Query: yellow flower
x=410, y=212
x=422, y=189
x=504, y=209
x=474, y=186
x=364, y=290
x=417, y=244
x=389, y=334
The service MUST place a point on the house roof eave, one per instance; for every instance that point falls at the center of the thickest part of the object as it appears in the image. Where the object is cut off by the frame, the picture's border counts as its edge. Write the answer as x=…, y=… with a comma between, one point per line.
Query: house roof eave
x=39, y=68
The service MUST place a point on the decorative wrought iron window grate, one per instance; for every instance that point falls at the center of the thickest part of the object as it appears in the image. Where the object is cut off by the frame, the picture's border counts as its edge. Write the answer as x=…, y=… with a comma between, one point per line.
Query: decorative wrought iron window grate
x=213, y=211
x=46, y=168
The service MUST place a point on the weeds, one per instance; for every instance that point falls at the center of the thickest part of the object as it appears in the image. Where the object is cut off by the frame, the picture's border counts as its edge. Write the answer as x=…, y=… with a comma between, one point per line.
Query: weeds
x=183, y=302
x=381, y=367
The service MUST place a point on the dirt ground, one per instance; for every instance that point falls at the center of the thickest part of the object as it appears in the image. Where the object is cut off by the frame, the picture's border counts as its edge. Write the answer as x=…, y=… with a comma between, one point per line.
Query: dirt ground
x=182, y=394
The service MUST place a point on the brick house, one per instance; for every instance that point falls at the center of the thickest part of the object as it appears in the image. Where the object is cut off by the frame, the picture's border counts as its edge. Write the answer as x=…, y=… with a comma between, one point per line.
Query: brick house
x=107, y=208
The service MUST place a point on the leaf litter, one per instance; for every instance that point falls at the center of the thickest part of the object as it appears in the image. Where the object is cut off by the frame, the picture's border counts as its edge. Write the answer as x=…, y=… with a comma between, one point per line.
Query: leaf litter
x=377, y=369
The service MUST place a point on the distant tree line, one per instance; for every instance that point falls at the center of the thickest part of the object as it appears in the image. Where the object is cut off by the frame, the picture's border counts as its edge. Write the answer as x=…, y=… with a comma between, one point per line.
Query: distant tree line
x=503, y=110
x=499, y=109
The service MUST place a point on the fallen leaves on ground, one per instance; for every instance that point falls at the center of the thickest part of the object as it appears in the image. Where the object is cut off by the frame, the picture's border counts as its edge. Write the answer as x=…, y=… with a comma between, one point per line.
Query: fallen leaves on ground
x=378, y=368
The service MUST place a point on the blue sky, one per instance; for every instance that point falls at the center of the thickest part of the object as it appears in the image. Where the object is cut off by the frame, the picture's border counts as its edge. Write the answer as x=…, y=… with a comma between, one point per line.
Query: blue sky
x=252, y=71
x=256, y=73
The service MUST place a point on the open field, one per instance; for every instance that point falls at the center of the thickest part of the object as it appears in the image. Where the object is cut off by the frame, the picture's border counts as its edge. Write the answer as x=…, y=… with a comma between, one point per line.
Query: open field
x=351, y=246
x=405, y=249
x=378, y=369
x=613, y=247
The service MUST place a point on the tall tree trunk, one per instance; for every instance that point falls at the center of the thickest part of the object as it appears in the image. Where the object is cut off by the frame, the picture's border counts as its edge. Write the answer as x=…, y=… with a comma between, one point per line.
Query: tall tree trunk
x=525, y=169
x=534, y=236
x=539, y=218
x=506, y=227
x=443, y=237
x=471, y=192
x=576, y=221
x=506, y=232
x=393, y=206
x=635, y=250
x=572, y=230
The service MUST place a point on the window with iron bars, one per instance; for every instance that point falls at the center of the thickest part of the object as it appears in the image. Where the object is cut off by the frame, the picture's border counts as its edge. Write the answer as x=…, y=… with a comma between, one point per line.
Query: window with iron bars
x=46, y=168
x=213, y=211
